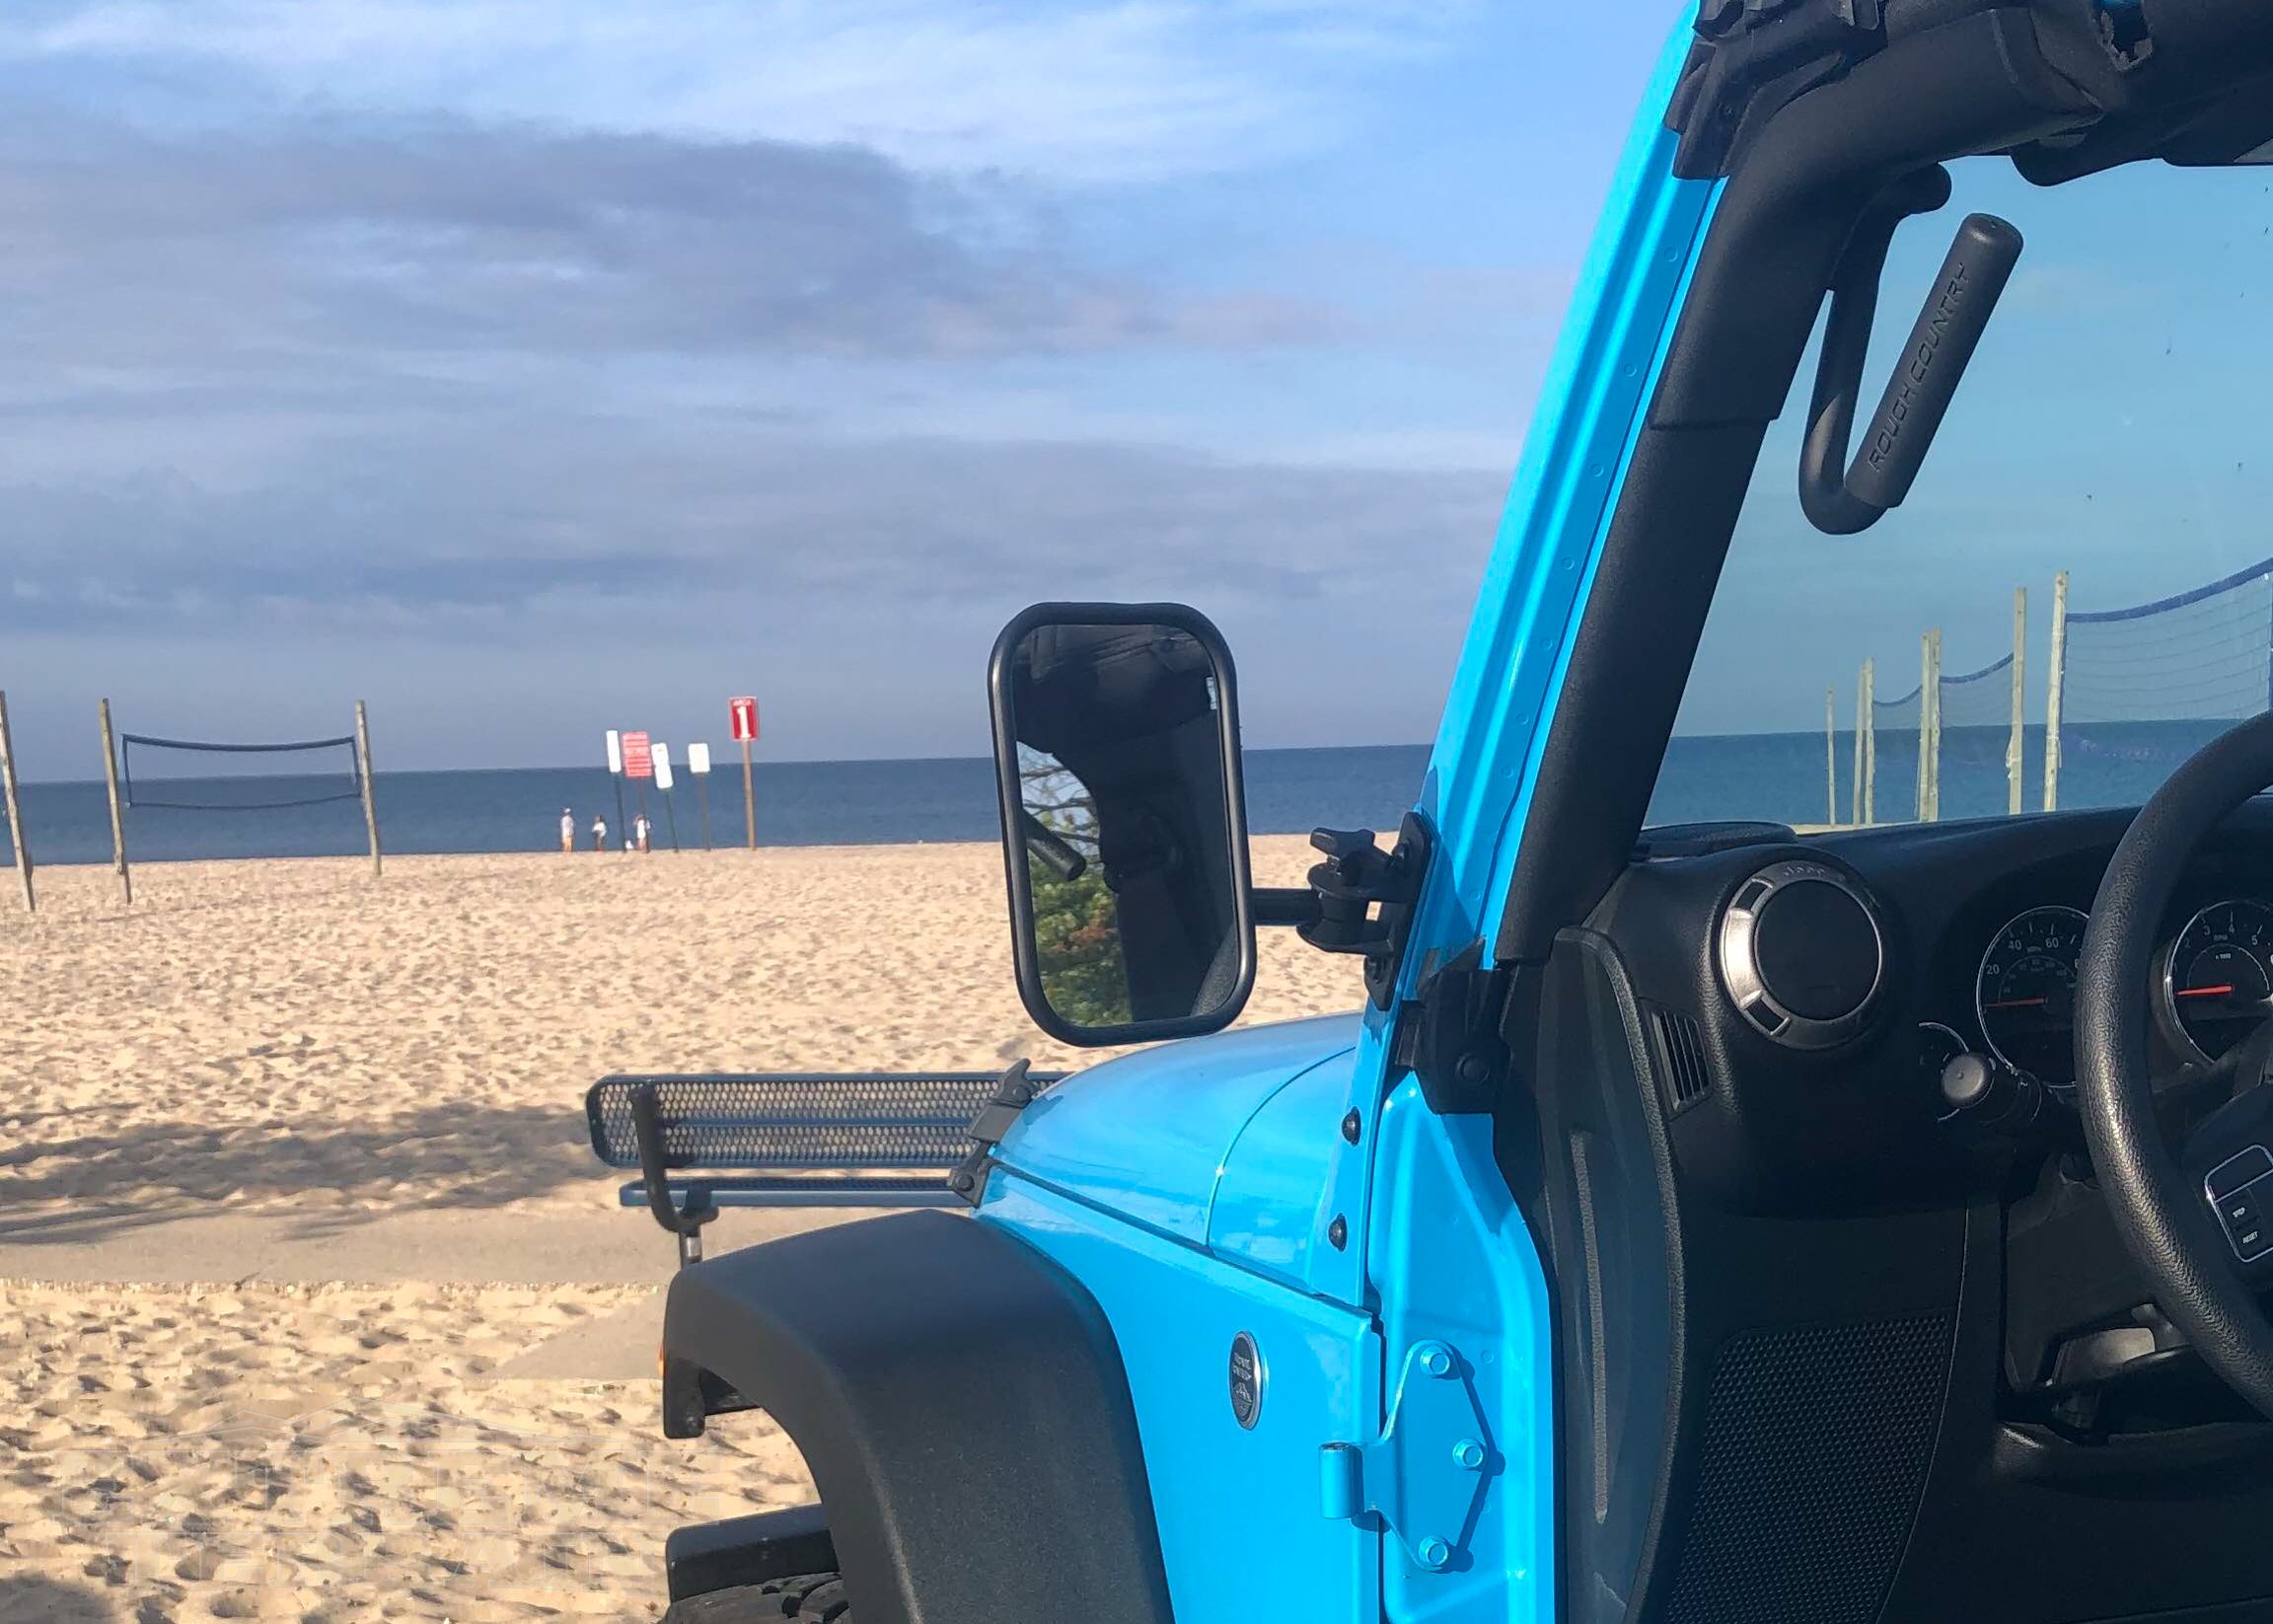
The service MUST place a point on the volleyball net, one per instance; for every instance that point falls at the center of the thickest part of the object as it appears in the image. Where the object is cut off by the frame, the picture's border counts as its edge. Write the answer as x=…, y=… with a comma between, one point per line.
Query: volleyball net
x=149, y=772
x=2205, y=655
x=200, y=776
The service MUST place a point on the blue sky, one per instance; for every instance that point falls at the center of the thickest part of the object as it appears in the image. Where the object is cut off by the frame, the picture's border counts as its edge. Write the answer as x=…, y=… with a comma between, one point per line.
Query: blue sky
x=532, y=366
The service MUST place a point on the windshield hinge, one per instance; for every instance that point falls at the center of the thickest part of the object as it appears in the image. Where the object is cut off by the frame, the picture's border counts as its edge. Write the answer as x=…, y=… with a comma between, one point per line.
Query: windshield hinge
x=1015, y=1090
x=1449, y=1034
x=1365, y=897
x=1424, y=1476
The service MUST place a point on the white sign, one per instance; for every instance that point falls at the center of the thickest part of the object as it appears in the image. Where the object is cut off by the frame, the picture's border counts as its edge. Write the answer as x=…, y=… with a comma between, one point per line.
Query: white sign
x=662, y=765
x=615, y=752
x=697, y=758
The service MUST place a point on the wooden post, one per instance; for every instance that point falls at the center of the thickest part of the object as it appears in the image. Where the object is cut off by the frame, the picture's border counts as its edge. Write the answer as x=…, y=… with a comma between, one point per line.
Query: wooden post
x=117, y=813
x=16, y=836
x=2055, y=675
x=1861, y=714
x=370, y=795
x=1867, y=705
x=702, y=805
x=1933, y=696
x=1929, y=726
x=2016, y=747
x=749, y=796
x=1831, y=754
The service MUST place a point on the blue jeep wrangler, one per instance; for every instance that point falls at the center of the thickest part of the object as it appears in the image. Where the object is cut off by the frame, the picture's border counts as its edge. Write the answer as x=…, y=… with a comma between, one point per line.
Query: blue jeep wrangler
x=1708, y=1225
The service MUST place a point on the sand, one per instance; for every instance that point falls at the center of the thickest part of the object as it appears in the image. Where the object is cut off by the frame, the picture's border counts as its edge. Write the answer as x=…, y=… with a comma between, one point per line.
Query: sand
x=294, y=1042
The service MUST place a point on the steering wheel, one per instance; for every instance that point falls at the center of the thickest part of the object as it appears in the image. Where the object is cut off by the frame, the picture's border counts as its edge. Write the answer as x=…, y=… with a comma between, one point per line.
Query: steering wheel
x=2177, y=1210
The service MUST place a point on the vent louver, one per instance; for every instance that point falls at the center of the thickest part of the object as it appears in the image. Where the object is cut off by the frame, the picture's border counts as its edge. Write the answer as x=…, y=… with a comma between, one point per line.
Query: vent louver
x=1688, y=1074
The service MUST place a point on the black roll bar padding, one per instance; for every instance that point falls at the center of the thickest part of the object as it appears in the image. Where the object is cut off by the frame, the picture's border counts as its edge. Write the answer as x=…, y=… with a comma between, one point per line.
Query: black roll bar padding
x=2215, y=40
x=655, y=1174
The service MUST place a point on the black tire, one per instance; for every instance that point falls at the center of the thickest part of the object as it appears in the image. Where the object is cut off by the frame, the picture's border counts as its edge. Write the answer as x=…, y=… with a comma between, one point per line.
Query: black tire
x=814, y=1598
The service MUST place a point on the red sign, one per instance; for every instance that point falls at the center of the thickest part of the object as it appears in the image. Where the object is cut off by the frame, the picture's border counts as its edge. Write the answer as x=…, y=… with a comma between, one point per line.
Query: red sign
x=638, y=757
x=745, y=713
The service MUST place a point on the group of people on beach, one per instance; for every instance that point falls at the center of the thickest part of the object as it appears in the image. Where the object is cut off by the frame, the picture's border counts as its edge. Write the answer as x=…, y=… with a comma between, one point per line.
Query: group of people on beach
x=634, y=840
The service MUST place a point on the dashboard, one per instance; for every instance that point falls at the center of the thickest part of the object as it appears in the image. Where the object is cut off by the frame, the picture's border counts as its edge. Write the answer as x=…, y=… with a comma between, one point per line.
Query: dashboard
x=2211, y=989
x=1803, y=997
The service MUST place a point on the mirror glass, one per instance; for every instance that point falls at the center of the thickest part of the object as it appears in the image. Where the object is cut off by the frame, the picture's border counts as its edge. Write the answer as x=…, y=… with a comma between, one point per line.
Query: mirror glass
x=1128, y=824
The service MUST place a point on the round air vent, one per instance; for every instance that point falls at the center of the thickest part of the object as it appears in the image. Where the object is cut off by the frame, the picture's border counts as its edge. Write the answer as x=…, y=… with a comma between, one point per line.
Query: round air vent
x=1801, y=954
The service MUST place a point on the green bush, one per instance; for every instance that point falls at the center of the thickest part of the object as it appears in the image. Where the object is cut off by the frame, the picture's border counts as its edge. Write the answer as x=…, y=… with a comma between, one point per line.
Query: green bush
x=1077, y=938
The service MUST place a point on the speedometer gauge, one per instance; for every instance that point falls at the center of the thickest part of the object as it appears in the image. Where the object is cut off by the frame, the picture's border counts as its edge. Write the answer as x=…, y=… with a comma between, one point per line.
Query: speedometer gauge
x=2216, y=987
x=2025, y=993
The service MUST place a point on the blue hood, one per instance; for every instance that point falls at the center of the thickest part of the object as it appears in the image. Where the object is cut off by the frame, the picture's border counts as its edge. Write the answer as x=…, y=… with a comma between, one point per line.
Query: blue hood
x=1151, y=1136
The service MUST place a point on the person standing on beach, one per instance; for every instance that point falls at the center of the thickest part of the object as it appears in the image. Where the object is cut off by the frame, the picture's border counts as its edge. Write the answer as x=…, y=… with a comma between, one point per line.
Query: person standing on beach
x=598, y=834
x=639, y=830
x=567, y=830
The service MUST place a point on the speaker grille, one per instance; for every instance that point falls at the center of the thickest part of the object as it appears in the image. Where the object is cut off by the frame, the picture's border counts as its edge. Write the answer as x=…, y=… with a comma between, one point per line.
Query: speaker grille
x=1816, y=1446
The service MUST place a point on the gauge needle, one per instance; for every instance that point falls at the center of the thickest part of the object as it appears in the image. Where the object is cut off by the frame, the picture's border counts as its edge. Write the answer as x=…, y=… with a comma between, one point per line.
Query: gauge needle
x=2225, y=991
x=2027, y=1003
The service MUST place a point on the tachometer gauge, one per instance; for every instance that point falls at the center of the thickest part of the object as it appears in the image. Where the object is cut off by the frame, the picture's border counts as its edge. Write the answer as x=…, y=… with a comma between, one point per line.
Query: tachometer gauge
x=2025, y=993
x=2216, y=988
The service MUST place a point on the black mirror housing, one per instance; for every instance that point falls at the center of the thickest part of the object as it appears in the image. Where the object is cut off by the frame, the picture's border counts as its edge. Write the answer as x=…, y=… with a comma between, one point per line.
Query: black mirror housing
x=1124, y=821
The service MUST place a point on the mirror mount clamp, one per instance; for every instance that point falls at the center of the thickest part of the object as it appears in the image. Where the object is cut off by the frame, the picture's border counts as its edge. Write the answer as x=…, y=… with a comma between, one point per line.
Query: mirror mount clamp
x=1365, y=897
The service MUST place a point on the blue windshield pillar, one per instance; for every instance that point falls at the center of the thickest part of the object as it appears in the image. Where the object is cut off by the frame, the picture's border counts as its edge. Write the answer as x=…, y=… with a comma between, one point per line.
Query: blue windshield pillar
x=1590, y=413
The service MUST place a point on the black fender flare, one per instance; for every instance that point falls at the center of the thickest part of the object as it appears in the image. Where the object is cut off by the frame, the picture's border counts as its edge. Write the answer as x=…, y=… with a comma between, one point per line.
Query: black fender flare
x=961, y=1404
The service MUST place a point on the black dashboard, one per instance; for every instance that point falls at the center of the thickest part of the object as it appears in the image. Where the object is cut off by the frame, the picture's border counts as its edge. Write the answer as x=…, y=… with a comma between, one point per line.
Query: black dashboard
x=1762, y=1205
x=1802, y=997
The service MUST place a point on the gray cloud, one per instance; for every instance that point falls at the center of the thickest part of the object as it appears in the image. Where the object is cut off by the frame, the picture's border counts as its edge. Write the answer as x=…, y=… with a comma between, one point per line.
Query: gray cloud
x=574, y=519
x=337, y=244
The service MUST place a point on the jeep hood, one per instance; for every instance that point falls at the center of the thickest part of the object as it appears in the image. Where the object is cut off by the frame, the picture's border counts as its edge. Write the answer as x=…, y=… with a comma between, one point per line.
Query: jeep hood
x=1156, y=1136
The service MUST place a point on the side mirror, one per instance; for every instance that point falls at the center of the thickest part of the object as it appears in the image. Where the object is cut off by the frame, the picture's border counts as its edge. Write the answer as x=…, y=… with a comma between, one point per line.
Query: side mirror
x=1124, y=821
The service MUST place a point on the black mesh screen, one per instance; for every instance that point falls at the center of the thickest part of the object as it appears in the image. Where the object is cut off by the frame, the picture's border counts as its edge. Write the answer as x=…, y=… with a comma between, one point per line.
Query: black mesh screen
x=863, y=1120
x=1816, y=1446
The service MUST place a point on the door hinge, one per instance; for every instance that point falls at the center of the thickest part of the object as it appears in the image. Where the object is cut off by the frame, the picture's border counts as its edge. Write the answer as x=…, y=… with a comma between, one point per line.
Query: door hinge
x=1424, y=1476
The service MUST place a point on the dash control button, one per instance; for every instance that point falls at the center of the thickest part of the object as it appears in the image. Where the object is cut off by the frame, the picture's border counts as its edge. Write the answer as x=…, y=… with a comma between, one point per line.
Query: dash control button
x=2244, y=1167
x=2244, y=1215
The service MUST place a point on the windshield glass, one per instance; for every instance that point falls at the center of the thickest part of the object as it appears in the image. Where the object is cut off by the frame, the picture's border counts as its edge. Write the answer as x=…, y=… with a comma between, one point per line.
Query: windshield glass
x=2096, y=517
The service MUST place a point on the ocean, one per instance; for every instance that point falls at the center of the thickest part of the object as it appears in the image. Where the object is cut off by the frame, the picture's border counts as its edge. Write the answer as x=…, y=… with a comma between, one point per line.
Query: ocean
x=1775, y=776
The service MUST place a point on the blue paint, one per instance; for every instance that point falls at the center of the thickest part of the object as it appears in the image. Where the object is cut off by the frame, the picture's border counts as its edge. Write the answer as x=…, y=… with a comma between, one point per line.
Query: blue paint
x=1188, y=1188
x=1243, y=1529
x=1542, y=565
x=1146, y=1136
x=1275, y=1201
x=1455, y=1264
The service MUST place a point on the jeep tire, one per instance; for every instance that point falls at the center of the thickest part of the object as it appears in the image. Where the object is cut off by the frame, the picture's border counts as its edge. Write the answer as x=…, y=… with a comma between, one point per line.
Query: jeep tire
x=814, y=1598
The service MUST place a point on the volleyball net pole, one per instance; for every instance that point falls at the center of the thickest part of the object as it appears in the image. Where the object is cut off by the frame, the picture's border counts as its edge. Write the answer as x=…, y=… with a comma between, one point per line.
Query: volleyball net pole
x=16, y=836
x=1831, y=755
x=2055, y=680
x=118, y=810
x=363, y=770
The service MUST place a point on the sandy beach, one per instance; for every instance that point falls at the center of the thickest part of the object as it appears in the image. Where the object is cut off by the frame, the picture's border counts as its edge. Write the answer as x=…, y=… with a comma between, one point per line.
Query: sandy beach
x=198, y=1428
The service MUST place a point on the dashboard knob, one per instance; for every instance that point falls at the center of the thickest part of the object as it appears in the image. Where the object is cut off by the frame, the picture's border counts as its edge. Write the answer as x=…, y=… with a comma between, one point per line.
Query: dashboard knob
x=1801, y=954
x=1990, y=1094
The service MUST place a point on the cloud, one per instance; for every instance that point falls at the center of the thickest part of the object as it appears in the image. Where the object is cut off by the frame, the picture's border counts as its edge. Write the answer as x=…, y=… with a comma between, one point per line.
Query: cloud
x=1106, y=91
x=261, y=254
x=573, y=521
